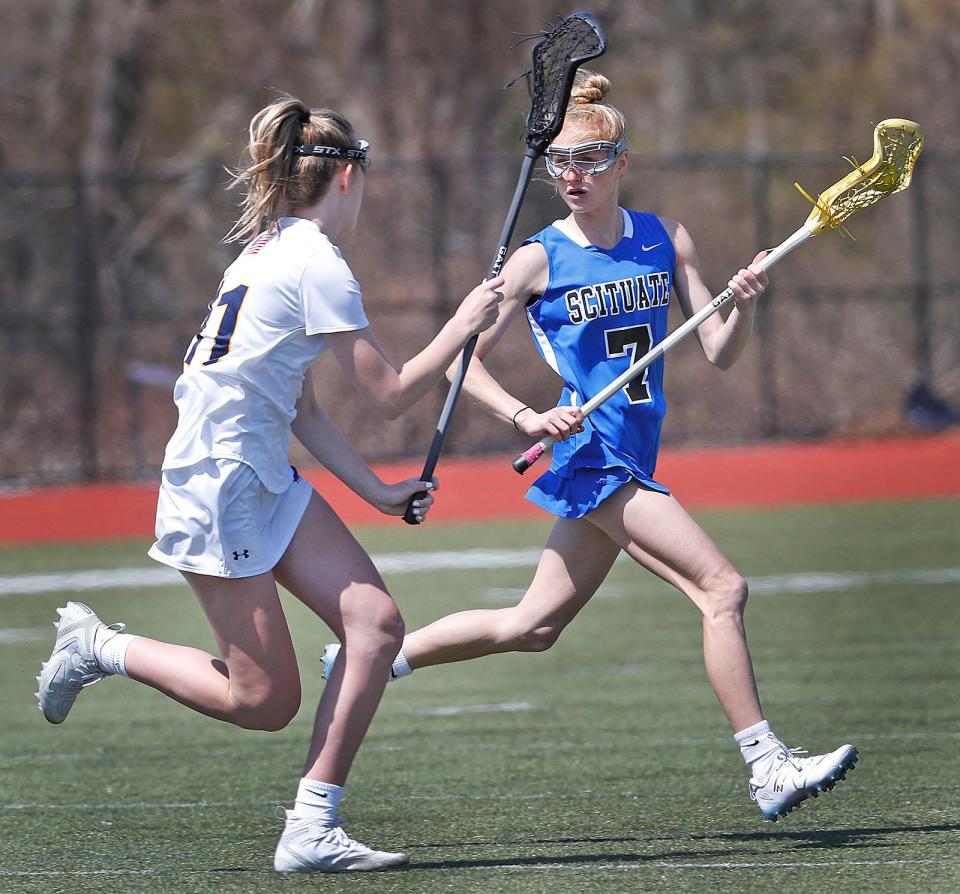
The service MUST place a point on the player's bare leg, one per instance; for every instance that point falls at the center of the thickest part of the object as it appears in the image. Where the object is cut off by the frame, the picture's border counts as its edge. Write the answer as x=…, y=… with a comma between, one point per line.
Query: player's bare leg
x=255, y=683
x=327, y=570
x=656, y=531
x=575, y=561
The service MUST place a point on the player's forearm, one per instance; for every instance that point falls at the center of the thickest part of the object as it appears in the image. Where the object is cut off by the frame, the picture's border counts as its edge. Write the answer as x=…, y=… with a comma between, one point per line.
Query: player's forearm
x=422, y=372
x=731, y=339
x=488, y=392
x=317, y=432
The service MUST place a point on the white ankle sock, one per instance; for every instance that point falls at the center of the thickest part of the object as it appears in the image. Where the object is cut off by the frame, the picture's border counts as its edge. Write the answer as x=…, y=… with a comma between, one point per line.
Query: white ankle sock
x=401, y=667
x=318, y=800
x=110, y=648
x=757, y=744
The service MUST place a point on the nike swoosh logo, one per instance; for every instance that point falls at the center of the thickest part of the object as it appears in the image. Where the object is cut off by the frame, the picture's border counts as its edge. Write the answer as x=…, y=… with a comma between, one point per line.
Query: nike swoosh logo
x=650, y=247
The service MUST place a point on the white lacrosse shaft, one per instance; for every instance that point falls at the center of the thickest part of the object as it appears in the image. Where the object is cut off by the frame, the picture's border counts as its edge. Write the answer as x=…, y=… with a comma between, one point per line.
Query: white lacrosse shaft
x=529, y=457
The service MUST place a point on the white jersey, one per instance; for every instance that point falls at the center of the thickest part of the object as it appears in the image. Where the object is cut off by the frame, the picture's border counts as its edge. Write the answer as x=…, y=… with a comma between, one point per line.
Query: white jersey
x=243, y=372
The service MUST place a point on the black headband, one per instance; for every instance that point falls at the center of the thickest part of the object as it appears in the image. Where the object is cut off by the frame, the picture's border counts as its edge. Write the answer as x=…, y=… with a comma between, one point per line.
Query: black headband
x=357, y=153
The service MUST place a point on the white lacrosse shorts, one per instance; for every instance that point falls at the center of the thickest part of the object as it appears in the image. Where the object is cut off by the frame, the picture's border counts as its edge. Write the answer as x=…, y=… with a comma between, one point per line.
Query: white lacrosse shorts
x=216, y=517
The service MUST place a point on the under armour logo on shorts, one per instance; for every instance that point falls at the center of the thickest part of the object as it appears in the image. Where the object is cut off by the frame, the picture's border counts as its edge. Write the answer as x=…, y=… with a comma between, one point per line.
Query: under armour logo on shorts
x=241, y=554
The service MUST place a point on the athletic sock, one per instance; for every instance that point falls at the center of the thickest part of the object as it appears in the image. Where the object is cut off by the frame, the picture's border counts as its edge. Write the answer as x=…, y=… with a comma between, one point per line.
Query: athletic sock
x=401, y=667
x=758, y=745
x=110, y=649
x=318, y=800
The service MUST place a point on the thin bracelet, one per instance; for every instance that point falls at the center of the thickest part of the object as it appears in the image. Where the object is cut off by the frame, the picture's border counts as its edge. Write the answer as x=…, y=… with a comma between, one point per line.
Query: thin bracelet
x=517, y=427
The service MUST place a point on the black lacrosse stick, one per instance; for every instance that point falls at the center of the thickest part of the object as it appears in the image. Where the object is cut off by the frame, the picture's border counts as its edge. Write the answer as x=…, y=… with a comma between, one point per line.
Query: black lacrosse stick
x=577, y=39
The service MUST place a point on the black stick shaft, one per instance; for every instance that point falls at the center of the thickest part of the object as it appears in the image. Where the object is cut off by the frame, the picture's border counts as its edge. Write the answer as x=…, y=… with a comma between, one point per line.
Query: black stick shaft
x=456, y=384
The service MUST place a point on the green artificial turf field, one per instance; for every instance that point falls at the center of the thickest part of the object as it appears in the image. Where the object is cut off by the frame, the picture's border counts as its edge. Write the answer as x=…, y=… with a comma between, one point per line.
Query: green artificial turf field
x=602, y=765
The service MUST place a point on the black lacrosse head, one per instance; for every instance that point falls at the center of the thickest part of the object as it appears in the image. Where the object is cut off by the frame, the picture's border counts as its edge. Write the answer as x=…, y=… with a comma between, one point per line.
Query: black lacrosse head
x=577, y=39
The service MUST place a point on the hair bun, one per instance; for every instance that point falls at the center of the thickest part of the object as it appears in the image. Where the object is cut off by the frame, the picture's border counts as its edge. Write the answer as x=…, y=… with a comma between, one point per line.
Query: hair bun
x=589, y=87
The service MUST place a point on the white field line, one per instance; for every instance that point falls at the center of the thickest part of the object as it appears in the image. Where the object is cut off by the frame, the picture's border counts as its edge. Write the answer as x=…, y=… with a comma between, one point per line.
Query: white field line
x=43, y=758
x=77, y=581
x=813, y=582
x=23, y=634
x=389, y=563
x=759, y=864
x=589, y=795
x=465, y=560
x=149, y=805
x=572, y=866
x=456, y=710
x=553, y=745
x=273, y=802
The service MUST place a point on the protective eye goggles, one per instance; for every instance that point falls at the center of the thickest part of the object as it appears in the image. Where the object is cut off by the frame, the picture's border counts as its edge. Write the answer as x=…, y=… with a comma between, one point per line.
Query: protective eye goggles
x=357, y=154
x=563, y=158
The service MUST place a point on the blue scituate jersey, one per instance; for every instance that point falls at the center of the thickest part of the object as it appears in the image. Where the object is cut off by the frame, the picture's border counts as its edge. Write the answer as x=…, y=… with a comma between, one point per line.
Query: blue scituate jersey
x=602, y=310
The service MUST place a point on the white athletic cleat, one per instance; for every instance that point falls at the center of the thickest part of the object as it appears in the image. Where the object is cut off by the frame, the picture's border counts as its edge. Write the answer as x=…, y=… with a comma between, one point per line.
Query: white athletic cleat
x=792, y=779
x=329, y=659
x=308, y=846
x=72, y=665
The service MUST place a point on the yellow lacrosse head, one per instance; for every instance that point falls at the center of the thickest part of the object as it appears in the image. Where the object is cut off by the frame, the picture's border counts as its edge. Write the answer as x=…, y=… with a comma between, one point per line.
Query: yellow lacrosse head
x=896, y=146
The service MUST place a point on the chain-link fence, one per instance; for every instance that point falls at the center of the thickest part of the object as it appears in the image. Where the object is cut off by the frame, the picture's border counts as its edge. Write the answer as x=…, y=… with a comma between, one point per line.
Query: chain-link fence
x=106, y=279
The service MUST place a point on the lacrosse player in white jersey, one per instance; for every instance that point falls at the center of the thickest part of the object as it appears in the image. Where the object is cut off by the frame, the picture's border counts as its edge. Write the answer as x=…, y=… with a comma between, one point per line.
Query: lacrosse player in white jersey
x=236, y=519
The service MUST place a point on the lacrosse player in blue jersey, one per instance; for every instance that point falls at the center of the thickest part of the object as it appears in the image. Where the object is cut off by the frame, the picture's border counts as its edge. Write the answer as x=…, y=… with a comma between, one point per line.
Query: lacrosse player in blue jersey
x=236, y=519
x=595, y=289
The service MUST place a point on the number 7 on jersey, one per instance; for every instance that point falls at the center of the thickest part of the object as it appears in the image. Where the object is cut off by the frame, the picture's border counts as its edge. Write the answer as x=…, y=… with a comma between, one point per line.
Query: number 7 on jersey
x=631, y=342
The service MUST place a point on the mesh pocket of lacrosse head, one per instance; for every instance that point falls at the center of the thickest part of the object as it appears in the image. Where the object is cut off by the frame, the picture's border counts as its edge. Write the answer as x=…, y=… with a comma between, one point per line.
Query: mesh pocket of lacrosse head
x=576, y=39
x=897, y=145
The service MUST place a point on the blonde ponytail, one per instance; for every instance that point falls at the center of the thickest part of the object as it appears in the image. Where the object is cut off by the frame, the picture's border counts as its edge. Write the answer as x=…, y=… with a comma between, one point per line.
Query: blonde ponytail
x=275, y=178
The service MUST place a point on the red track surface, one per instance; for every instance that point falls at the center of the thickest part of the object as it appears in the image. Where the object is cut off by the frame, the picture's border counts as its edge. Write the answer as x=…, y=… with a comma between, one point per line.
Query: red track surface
x=489, y=489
